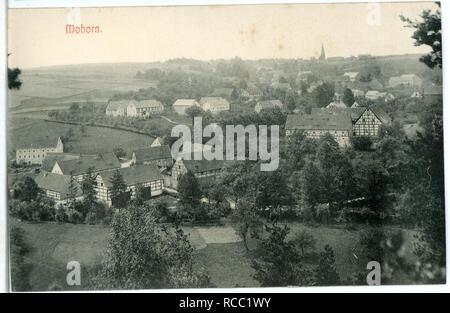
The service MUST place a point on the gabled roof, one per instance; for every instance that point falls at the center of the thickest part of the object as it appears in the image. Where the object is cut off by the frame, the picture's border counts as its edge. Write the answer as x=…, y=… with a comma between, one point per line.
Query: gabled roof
x=102, y=162
x=153, y=153
x=57, y=183
x=134, y=175
x=147, y=104
x=319, y=121
x=214, y=101
x=51, y=158
x=116, y=105
x=381, y=114
x=41, y=143
x=186, y=103
x=337, y=104
x=203, y=165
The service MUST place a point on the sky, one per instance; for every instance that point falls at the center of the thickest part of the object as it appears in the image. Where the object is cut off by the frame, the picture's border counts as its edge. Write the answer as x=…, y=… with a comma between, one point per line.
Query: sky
x=37, y=37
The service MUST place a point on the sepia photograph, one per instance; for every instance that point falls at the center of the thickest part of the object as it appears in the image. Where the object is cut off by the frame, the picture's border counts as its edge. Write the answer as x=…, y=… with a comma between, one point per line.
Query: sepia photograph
x=225, y=146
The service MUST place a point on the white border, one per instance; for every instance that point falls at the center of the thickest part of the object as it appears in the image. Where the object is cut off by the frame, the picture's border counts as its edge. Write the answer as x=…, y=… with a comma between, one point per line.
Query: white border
x=96, y=3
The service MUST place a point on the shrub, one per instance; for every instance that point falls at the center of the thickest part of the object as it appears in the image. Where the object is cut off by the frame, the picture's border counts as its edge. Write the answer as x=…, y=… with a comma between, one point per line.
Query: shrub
x=75, y=217
x=61, y=215
x=91, y=218
x=362, y=143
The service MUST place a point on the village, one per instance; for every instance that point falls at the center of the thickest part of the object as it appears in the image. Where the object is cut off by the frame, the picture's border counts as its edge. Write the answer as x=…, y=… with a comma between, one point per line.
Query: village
x=157, y=170
x=349, y=130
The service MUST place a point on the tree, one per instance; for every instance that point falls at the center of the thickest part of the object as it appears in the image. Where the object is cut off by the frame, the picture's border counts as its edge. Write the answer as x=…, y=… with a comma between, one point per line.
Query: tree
x=141, y=254
x=277, y=263
x=13, y=78
x=139, y=195
x=329, y=159
x=428, y=32
x=193, y=112
x=348, y=97
x=363, y=143
x=20, y=270
x=26, y=189
x=246, y=218
x=72, y=192
x=120, y=197
x=119, y=153
x=304, y=242
x=311, y=185
x=88, y=188
x=324, y=94
x=272, y=190
x=326, y=273
x=189, y=192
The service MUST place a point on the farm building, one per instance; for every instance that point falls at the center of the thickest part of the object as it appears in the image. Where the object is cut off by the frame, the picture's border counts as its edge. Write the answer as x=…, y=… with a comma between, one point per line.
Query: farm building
x=214, y=104
x=200, y=168
x=158, y=155
x=318, y=124
x=56, y=186
x=407, y=80
x=269, y=104
x=368, y=121
x=146, y=176
x=79, y=167
x=181, y=105
x=36, y=152
x=117, y=108
x=351, y=76
x=144, y=108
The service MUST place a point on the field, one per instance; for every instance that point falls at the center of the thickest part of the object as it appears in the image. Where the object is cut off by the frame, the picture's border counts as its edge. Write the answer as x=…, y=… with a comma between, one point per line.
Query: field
x=218, y=250
x=50, y=88
x=97, y=139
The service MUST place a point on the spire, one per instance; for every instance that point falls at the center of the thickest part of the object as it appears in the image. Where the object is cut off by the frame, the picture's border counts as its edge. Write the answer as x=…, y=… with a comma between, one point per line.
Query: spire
x=323, y=56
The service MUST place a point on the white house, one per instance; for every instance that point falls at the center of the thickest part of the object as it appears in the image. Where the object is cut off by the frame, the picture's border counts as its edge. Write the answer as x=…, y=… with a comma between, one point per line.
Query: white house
x=118, y=108
x=35, y=152
x=269, y=104
x=406, y=80
x=318, y=124
x=144, y=108
x=214, y=104
x=351, y=76
x=146, y=176
x=56, y=187
x=181, y=105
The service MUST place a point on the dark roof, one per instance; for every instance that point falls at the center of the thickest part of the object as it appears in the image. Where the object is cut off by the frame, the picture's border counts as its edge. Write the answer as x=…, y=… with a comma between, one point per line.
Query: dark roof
x=203, y=165
x=57, y=183
x=381, y=114
x=51, y=158
x=356, y=113
x=320, y=121
x=41, y=142
x=153, y=153
x=101, y=162
x=121, y=104
x=134, y=175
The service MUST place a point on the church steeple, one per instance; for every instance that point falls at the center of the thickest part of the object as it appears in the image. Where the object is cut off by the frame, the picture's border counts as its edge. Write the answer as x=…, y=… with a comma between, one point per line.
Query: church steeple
x=323, y=56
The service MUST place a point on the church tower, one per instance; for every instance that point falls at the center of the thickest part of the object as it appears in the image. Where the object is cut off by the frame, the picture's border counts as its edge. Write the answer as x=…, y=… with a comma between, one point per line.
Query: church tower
x=323, y=56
